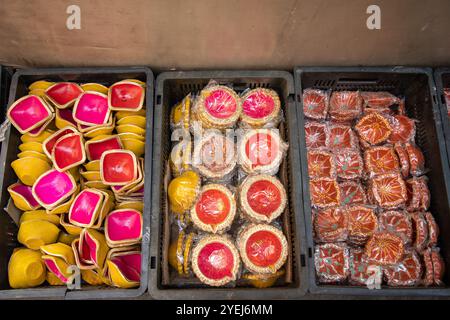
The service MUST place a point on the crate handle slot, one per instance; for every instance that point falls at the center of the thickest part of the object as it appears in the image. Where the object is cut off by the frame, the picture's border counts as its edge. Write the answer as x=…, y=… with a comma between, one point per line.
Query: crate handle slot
x=153, y=262
x=357, y=81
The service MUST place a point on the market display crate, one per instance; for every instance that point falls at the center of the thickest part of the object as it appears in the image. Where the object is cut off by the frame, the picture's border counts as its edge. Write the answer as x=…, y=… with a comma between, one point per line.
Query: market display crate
x=417, y=87
x=171, y=88
x=442, y=80
x=5, y=81
x=8, y=228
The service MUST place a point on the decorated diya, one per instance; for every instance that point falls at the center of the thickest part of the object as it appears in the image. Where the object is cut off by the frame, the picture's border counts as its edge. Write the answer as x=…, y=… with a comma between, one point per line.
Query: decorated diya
x=416, y=159
x=324, y=192
x=261, y=151
x=418, y=194
x=397, y=222
x=91, y=109
x=214, y=156
x=438, y=266
x=217, y=107
x=340, y=137
x=389, y=190
x=345, y=105
x=214, y=209
x=118, y=167
x=403, y=129
x=330, y=225
x=406, y=273
x=352, y=193
x=379, y=99
x=123, y=227
x=359, y=267
x=332, y=262
x=263, y=248
x=362, y=223
x=63, y=94
x=374, y=128
x=381, y=160
x=215, y=260
x=349, y=164
x=420, y=227
x=28, y=113
x=260, y=108
x=315, y=135
x=384, y=249
x=126, y=96
x=403, y=158
x=315, y=103
x=53, y=187
x=321, y=164
x=262, y=198
x=433, y=229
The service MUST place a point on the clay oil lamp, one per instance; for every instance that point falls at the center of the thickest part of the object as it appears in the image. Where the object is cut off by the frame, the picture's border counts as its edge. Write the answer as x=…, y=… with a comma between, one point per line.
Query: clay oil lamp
x=180, y=114
x=381, y=160
x=28, y=113
x=49, y=143
x=352, y=193
x=262, y=198
x=315, y=104
x=260, y=108
x=91, y=109
x=315, y=135
x=384, y=249
x=321, y=164
x=37, y=131
x=63, y=207
x=124, y=267
x=181, y=158
x=362, y=223
x=332, y=262
x=126, y=96
x=407, y=272
x=26, y=269
x=22, y=197
x=118, y=167
x=53, y=187
x=90, y=250
x=68, y=152
x=63, y=94
x=330, y=225
x=35, y=233
x=64, y=118
x=29, y=169
x=85, y=208
x=374, y=128
x=39, y=215
x=98, y=145
x=345, y=105
x=57, y=258
x=123, y=227
x=341, y=137
x=183, y=191
x=397, y=222
x=324, y=192
x=389, y=190
x=95, y=87
x=349, y=164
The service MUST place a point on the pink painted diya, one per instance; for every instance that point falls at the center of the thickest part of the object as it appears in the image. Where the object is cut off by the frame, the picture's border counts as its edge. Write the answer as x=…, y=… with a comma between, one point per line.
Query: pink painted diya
x=123, y=227
x=126, y=96
x=37, y=131
x=91, y=109
x=118, y=167
x=96, y=147
x=260, y=107
x=50, y=142
x=68, y=152
x=85, y=208
x=63, y=94
x=124, y=267
x=28, y=113
x=53, y=187
x=23, y=197
x=91, y=250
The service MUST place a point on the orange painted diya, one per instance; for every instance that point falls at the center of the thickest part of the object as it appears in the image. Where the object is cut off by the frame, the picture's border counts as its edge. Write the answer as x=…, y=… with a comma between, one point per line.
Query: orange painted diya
x=324, y=192
x=315, y=103
x=381, y=160
x=362, y=223
x=407, y=272
x=315, y=135
x=340, y=137
x=397, y=222
x=28, y=113
x=374, y=128
x=389, y=190
x=384, y=249
x=345, y=105
x=379, y=99
x=332, y=262
x=63, y=94
x=330, y=225
x=352, y=193
x=349, y=164
x=321, y=164
x=118, y=167
x=126, y=96
x=403, y=129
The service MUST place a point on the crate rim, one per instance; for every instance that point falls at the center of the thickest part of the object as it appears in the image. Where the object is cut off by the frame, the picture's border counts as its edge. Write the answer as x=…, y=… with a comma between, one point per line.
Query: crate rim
x=225, y=293
x=314, y=288
x=101, y=292
x=438, y=74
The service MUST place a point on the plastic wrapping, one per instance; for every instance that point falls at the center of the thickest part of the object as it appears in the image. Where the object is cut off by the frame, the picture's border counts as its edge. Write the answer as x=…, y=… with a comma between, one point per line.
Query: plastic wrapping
x=181, y=157
x=352, y=193
x=379, y=99
x=403, y=129
x=380, y=160
x=362, y=223
x=261, y=151
x=360, y=270
x=418, y=194
x=179, y=253
x=447, y=100
x=420, y=230
x=330, y=225
x=183, y=191
x=315, y=134
x=374, y=128
x=384, y=249
x=262, y=198
x=438, y=266
x=345, y=105
x=349, y=164
x=321, y=164
x=428, y=275
x=403, y=159
x=332, y=262
x=315, y=103
x=340, y=137
x=433, y=229
x=389, y=191
x=397, y=222
x=180, y=114
x=261, y=108
x=324, y=193
x=416, y=159
x=406, y=273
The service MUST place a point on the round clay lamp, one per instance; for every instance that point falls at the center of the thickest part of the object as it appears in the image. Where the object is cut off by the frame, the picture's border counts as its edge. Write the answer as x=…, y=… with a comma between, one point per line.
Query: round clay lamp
x=260, y=108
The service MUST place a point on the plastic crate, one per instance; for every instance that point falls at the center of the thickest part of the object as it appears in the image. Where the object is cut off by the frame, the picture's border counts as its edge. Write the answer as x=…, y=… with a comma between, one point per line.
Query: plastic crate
x=416, y=84
x=8, y=229
x=172, y=87
x=5, y=81
x=442, y=80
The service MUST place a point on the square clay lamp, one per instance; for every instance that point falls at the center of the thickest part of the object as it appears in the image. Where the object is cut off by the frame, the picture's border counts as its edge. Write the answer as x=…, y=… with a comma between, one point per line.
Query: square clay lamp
x=64, y=117
x=50, y=142
x=63, y=94
x=123, y=227
x=37, y=131
x=23, y=197
x=68, y=152
x=96, y=147
x=85, y=209
x=126, y=96
x=118, y=167
x=28, y=113
x=91, y=109
x=93, y=248
x=53, y=187
x=124, y=266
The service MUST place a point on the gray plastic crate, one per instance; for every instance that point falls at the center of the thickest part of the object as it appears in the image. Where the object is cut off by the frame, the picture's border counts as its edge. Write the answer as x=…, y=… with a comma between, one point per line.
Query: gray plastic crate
x=442, y=80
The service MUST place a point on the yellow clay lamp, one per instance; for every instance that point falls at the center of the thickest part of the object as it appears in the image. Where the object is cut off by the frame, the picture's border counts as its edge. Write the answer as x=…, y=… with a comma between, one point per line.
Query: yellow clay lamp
x=134, y=145
x=29, y=169
x=97, y=87
x=139, y=121
x=183, y=191
x=123, y=114
x=35, y=233
x=26, y=269
x=39, y=215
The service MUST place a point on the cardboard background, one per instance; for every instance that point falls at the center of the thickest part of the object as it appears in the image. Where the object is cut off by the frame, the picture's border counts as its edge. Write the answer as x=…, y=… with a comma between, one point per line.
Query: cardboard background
x=213, y=34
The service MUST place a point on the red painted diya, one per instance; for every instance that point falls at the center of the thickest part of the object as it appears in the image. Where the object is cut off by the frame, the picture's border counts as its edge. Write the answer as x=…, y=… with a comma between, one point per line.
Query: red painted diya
x=345, y=105
x=349, y=164
x=389, y=190
x=97, y=146
x=380, y=160
x=352, y=193
x=420, y=227
x=215, y=260
x=50, y=142
x=263, y=248
x=374, y=128
x=428, y=276
x=315, y=103
x=28, y=113
x=403, y=158
x=315, y=135
x=321, y=164
x=123, y=227
x=384, y=249
x=53, y=187
x=91, y=109
x=85, y=209
x=260, y=107
x=438, y=266
x=403, y=129
x=397, y=222
x=340, y=137
x=63, y=94
x=126, y=96
x=68, y=152
x=214, y=210
x=118, y=167
x=406, y=273
x=433, y=229
x=261, y=151
x=359, y=273
x=330, y=225
x=362, y=223
x=416, y=159
x=379, y=100
x=418, y=194
x=262, y=198
x=324, y=192
x=332, y=262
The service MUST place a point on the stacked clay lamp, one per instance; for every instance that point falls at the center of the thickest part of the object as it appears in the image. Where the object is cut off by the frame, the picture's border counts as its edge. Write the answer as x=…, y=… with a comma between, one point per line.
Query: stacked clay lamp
x=80, y=184
x=225, y=197
x=368, y=191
